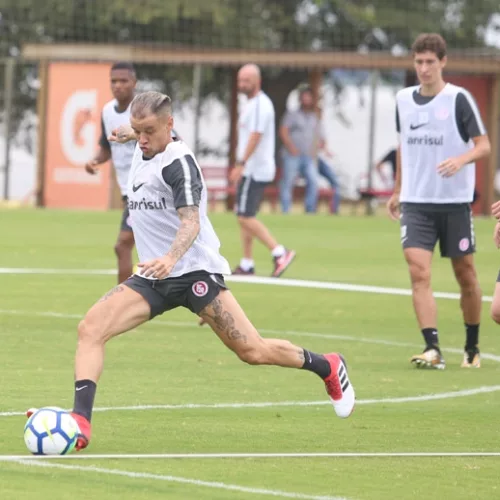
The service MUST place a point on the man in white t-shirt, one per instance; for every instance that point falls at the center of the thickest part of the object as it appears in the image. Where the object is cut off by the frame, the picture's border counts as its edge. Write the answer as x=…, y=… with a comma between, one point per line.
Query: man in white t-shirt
x=255, y=169
x=180, y=266
x=441, y=136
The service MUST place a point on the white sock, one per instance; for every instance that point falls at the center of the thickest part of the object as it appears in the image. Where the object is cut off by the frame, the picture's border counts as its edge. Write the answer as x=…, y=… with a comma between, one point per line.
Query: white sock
x=246, y=264
x=278, y=251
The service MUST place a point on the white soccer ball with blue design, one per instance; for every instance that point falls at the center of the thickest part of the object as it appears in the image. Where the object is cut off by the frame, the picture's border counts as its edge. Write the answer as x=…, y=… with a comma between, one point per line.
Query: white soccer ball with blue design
x=51, y=431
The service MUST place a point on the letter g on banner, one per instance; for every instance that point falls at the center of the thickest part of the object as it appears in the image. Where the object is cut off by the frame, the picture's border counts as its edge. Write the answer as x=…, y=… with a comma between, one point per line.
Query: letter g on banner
x=78, y=133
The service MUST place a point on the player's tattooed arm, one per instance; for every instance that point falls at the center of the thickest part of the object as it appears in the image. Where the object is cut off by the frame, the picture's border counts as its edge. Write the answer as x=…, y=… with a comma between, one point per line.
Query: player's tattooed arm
x=187, y=233
x=161, y=267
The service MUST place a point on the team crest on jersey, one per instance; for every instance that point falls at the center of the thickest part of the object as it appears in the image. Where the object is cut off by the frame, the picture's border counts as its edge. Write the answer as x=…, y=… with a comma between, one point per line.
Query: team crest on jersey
x=200, y=288
x=442, y=113
x=464, y=244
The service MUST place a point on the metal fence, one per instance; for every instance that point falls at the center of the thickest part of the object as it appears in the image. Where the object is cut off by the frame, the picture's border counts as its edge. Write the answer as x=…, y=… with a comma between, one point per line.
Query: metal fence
x=354, y=102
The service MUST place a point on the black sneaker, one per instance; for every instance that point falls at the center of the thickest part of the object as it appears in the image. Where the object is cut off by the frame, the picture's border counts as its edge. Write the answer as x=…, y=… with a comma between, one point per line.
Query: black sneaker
x=239, y=270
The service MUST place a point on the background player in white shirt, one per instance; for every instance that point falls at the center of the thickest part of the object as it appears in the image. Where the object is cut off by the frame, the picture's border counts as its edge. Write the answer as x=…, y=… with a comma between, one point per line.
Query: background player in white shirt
x=255, y=169
x=180, y=266
x=441, y=136
x=115, y=113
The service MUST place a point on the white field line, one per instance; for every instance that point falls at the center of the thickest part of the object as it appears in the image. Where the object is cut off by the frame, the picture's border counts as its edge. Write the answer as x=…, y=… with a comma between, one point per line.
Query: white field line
x=66, y=272
x=182, y=324
x=203, y=456
x=276, y=404
x=179, y=480
x=256, y=280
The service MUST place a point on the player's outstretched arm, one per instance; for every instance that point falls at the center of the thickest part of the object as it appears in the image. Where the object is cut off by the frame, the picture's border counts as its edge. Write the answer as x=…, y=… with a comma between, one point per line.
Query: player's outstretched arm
x=188, y=231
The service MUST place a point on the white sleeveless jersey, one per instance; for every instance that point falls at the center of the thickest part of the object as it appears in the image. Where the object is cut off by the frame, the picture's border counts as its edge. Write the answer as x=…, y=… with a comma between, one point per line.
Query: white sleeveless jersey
x=157, y=187
x=121, y=154
x=429, y=135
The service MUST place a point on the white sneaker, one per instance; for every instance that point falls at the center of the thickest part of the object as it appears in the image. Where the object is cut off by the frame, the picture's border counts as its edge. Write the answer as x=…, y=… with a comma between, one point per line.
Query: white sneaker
x=471, y=359
x=430, y=358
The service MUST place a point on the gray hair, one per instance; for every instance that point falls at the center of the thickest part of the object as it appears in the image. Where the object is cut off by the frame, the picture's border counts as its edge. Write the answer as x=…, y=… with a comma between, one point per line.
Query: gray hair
x=150, y=103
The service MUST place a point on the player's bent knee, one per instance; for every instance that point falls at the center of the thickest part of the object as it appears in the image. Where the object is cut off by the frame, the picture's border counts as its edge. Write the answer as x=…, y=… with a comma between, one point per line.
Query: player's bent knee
x=244, y=220
x=420, y=275
x=495, y=313
x=466, y=275
x=255, y=353
x=123, y=248
x=89, y=331
x=495, y=316
x=253, y=356
x=468, y=280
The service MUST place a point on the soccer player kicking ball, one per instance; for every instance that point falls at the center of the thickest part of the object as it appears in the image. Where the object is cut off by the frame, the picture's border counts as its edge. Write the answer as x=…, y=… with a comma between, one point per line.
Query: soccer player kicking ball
x=180, y=265
x=441, y=136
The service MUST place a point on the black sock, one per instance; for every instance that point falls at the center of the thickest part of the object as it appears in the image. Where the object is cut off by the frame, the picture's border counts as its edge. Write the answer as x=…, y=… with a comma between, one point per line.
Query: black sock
x=317, y=364
x=84, y=398
x=472, y=336
x=431, y=338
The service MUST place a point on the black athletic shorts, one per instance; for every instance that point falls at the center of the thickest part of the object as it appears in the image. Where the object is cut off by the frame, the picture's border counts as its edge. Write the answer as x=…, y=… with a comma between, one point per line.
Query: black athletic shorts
x=249, y=196
x=192, y=290
x=423, y=225
x=125, y=222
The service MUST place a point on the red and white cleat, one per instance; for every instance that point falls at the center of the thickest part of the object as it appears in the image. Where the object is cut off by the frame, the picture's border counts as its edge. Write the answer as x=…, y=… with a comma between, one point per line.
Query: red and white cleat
x=281, y=263
x=339, y=387
x=85, y=431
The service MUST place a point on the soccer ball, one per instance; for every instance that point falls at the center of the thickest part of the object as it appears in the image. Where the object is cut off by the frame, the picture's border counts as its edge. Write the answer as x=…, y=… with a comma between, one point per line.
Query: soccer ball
x=51, y=431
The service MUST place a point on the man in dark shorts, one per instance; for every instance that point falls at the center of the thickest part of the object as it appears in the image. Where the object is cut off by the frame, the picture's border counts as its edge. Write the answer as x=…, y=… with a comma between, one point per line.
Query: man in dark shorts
x=180, y=266
x=441, y=136
x=254, y=170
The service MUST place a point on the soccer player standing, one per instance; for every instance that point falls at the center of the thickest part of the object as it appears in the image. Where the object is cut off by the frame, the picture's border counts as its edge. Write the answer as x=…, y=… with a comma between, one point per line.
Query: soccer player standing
x=441, y=136
x=114, y=114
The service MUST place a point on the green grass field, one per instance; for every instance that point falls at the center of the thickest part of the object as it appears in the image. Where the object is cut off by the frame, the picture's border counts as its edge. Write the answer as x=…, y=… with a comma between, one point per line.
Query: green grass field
x=171, y=361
